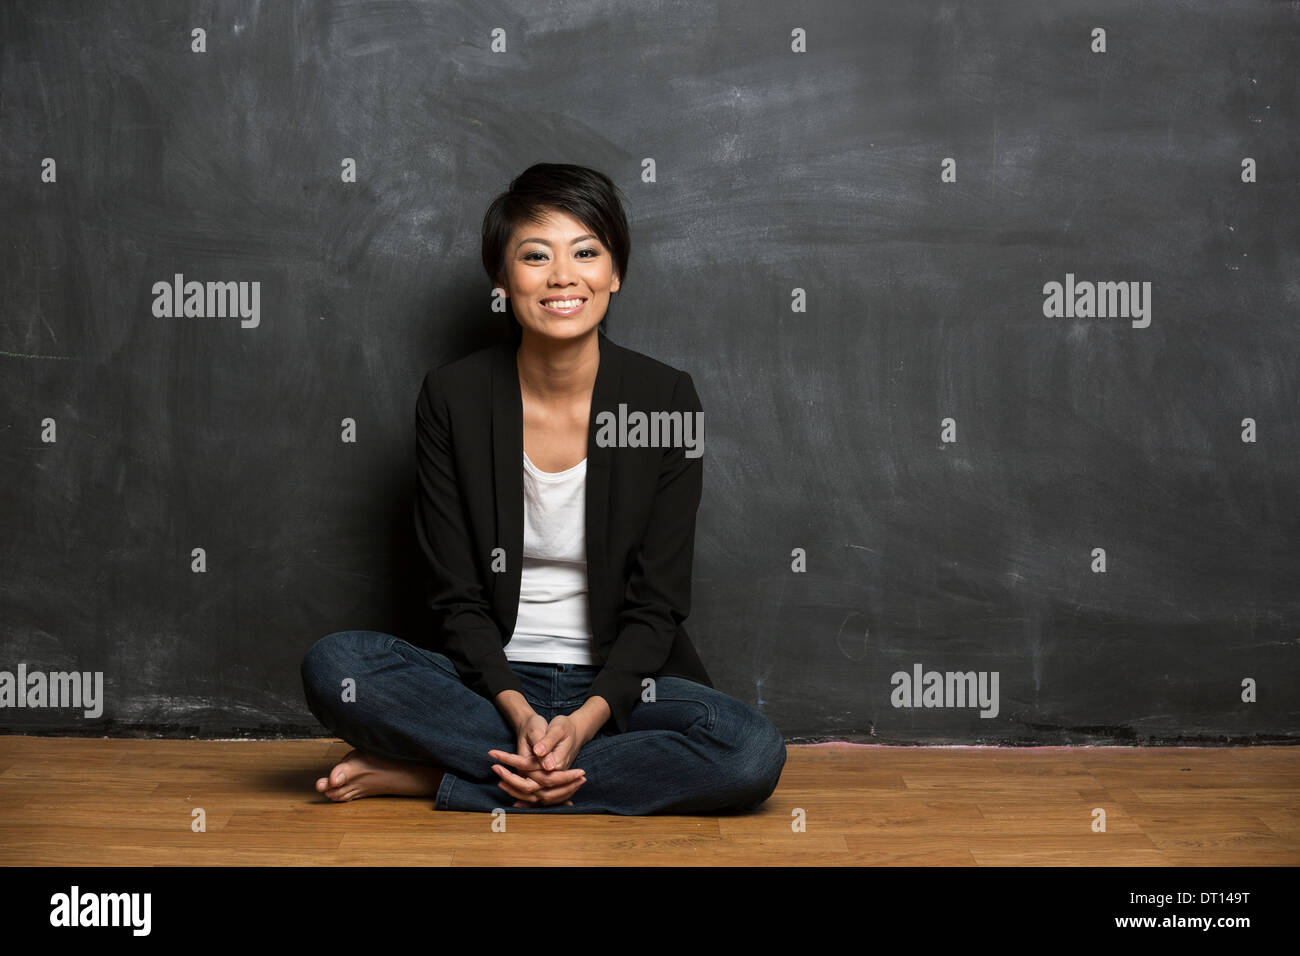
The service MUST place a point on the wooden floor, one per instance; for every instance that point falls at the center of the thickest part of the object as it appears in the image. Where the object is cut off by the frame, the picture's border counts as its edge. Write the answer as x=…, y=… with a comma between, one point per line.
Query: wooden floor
x=91, y=802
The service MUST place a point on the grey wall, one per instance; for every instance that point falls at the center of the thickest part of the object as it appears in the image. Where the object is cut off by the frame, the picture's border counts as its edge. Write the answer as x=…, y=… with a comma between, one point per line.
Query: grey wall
x=772, y=170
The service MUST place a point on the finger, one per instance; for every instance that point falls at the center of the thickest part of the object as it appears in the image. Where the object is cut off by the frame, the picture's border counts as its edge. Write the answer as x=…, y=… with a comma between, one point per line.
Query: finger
x=557, y=749
x=560, y=754
x=564, y=756
x=556, y=778
x=533, y=737
x=527, y=799
x=515, y=761
x=522, y=784
x=556, y=731
x=559, y=794
x=508, y=755
x=555, y=801
x=519, y=781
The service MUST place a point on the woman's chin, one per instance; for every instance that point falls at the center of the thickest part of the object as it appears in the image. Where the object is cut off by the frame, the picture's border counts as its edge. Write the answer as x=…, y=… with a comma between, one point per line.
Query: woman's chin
x=563, y=331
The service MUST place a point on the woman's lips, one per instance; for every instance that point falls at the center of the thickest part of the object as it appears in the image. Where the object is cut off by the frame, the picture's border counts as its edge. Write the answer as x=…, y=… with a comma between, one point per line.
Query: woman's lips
x=573, y=311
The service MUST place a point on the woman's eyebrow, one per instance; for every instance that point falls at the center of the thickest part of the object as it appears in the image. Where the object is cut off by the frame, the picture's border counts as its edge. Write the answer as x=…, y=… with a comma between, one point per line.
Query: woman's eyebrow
x=546, y=242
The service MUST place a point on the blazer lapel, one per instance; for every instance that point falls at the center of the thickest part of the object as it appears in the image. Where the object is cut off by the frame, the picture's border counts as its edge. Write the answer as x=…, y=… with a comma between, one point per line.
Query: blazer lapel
x=604, y=397
x=508, y=481
x=507, y=472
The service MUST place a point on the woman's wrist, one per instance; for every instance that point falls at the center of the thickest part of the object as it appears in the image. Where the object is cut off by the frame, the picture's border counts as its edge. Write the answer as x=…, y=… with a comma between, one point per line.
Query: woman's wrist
x=514, y=707
x=590, y=717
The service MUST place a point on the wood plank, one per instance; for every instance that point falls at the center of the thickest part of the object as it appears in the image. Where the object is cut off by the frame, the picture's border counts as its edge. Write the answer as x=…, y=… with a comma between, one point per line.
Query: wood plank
x=105, y=802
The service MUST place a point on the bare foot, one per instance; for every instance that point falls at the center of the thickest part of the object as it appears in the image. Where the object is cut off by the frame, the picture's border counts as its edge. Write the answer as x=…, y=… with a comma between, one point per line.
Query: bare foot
x=363, y=774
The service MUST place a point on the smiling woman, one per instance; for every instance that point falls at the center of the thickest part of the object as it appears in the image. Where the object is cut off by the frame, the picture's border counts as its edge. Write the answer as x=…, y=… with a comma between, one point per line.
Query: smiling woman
x=560, y=565
x=566, y=228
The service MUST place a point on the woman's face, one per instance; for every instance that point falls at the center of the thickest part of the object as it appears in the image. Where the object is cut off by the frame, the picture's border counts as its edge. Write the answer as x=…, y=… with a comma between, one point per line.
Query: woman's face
x=559, y=277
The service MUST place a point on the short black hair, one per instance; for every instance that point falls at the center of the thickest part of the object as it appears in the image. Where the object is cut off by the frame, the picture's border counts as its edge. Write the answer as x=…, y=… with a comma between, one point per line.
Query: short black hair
x=587, y=195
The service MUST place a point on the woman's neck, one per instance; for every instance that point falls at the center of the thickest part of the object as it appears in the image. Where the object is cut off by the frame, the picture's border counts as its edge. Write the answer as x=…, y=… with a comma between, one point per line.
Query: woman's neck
x=554, y=371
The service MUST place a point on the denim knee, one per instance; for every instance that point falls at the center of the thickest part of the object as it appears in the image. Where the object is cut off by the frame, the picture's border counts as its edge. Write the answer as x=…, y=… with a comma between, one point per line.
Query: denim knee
x=766, y=759
x=774, y=749
x=331, y=659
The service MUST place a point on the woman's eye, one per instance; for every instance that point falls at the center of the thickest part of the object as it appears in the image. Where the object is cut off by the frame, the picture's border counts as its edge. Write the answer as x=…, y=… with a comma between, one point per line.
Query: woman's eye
x=529, y=256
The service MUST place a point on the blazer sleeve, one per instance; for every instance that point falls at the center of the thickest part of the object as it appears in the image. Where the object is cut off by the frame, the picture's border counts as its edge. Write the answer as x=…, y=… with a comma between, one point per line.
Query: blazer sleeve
x=467, y=632
x=658, y=594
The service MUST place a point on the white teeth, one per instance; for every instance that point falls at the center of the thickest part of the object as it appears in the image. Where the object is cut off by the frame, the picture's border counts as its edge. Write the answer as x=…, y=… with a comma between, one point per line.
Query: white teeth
x=563, y=304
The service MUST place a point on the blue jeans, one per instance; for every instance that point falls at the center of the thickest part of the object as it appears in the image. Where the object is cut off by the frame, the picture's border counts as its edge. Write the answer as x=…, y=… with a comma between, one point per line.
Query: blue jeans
x=692, y=750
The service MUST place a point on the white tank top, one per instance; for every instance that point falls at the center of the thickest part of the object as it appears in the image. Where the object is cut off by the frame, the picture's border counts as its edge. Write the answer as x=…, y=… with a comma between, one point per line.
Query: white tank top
x=554, y=623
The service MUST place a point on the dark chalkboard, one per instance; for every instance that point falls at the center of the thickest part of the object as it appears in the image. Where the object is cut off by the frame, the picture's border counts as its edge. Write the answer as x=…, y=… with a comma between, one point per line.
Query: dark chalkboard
x=844, y=218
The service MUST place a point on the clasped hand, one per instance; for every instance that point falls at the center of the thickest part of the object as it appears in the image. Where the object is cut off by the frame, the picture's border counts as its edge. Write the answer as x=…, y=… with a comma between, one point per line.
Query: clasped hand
x=539, y=772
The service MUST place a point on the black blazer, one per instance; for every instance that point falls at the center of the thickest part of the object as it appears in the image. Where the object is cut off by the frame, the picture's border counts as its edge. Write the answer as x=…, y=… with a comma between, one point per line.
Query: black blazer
x=640, y=514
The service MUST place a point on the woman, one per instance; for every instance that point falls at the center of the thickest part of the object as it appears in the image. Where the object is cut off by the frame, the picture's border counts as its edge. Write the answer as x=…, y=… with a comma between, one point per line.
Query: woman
x=560, y=550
